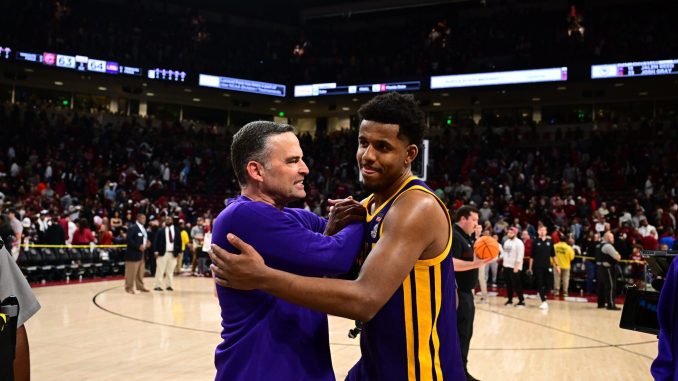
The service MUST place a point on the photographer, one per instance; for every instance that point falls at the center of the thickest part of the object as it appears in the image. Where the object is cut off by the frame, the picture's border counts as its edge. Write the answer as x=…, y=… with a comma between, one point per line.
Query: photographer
x=665, y=366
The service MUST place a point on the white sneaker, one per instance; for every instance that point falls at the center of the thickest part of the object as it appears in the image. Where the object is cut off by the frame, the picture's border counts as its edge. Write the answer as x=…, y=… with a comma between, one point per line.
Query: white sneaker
x=544, y=306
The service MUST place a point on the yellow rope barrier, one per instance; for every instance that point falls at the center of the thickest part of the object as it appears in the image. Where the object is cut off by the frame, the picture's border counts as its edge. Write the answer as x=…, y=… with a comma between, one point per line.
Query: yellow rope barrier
x=621, y=261
x=73, y=246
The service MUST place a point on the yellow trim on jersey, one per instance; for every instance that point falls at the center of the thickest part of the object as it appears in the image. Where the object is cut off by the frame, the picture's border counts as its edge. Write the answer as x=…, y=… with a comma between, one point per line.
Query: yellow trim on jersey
x=422, y=280
x=440, y=257
x=409, y=328
x=436, y=340
x=369, y=199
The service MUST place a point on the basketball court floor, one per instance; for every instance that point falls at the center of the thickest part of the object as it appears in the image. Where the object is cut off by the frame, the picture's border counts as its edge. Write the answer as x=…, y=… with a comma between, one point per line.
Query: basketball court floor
x=96, y=331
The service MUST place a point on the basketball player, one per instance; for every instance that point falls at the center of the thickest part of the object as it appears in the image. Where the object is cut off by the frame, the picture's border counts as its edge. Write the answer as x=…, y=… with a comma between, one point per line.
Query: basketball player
x=404, y=292
x=264, y=337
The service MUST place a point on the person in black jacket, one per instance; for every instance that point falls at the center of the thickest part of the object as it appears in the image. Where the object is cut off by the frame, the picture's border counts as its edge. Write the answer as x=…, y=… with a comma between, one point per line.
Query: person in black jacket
x=166, y=249
x=149, y=255
x=466, y=272
x=137, y=243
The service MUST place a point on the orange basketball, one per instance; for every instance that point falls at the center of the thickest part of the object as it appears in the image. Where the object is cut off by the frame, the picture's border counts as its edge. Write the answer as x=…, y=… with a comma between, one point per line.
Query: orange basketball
x=486, y=247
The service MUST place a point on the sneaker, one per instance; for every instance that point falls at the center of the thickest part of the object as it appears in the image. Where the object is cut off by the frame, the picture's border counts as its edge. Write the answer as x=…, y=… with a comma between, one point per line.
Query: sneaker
x=508, y=303
x=521, y=304
x=565, y=295
x=614, y=308
x=157, y=289
x=169, y=289
x=544, y=306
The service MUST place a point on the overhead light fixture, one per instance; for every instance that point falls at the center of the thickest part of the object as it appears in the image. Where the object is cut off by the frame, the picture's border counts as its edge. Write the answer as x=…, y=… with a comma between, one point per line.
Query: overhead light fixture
x=144, y=84
x=536, y=99
x=311, y=102
x=188, y=90
x=150, y=94
x=445, y=94
x=226, y=94
x=307, y=110
x=277, y=101
x=354, y=99
x=436, y=104
x=272, y=108
x=28, y=70
x=642, y=93
x=196, y=99
x=58, y=83
x=102, y=88
x=618, y=84
x=561, y=88
x=345, y=108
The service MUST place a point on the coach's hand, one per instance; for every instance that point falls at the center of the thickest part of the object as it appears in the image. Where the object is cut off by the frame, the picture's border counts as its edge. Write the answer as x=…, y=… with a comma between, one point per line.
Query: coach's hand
x=240, y=271
x=342, y=213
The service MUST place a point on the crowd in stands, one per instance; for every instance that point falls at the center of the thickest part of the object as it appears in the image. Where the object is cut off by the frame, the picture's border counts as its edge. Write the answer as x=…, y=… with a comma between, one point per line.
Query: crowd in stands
x=91, y=173
x=398, y=44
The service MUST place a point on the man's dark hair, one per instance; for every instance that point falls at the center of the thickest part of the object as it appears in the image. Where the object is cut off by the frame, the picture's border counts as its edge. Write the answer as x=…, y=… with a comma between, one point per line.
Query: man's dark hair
x=249, y=144
x=395, y=108
x=465, y=211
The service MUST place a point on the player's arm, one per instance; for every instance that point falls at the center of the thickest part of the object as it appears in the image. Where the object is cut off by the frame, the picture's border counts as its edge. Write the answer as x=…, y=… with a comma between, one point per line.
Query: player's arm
x=413, y=224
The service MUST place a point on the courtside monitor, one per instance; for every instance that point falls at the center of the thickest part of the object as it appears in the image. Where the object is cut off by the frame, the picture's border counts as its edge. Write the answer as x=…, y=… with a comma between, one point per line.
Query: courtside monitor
x=557, y=74
x=635, y=69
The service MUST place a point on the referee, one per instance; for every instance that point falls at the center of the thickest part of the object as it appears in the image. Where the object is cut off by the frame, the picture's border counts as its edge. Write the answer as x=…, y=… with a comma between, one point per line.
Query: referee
x=466, y=273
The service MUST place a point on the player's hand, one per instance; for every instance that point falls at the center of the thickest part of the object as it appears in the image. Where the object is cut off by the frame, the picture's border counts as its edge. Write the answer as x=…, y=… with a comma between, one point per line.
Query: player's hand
x=342, y=213
x=558, y=269
x=515, y=270
x=244, y=271
x=529, y=272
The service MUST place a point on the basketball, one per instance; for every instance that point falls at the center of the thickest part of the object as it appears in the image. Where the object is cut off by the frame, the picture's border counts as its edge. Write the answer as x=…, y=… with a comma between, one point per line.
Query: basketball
x=486, y=247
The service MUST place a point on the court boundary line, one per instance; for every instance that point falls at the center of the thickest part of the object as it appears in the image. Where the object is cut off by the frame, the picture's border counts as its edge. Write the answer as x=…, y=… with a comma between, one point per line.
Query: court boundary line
x=96, y=303
x=605, y=344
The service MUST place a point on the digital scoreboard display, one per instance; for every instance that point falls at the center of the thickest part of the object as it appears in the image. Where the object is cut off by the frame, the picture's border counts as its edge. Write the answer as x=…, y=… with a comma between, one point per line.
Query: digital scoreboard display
x=320, y=89
x=635, y=69
x=77, y=62
x=243, y=85
x=557, y=74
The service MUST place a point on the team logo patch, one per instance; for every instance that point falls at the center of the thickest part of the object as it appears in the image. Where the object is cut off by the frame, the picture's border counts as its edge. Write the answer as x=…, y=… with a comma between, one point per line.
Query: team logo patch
x=375, y=231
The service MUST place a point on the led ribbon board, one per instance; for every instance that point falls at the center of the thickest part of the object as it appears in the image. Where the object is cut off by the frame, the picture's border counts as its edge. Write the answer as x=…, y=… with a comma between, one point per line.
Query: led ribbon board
x=320, y=89
x=243, y=85
x=557, y=74
x=635, y=69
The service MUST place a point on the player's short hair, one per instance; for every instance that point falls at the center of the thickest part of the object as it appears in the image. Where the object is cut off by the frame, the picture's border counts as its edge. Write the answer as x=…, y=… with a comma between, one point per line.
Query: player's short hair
x=250, y=143
x=395, y=108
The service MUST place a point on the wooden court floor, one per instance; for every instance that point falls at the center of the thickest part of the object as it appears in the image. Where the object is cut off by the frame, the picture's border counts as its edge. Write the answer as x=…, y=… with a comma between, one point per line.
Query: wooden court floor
x=95, y=331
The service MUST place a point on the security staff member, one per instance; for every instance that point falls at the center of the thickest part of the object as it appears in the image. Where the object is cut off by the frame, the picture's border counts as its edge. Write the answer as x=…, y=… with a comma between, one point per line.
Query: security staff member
x=606, y=259
x=466, y=271
x=541, y=258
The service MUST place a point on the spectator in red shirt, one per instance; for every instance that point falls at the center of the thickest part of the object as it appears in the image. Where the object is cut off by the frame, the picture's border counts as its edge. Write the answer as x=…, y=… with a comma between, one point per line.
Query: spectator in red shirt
x=83, y=235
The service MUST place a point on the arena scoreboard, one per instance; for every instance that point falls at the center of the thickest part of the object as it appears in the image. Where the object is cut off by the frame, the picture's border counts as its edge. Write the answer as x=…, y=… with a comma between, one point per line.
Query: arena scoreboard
x=320, y=89
x=77, y=62
x=635, y=69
